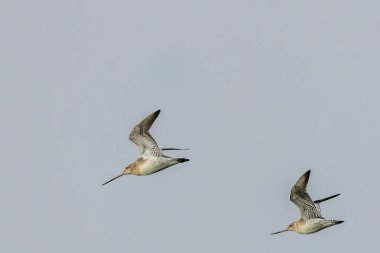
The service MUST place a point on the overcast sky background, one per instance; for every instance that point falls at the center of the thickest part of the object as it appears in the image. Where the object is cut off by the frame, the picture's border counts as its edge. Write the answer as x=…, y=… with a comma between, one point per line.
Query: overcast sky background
x=260, y=91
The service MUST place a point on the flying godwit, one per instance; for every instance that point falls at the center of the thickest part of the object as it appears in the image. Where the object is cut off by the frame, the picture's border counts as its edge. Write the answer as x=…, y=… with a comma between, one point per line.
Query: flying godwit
x=151, y=158
x=311, y=220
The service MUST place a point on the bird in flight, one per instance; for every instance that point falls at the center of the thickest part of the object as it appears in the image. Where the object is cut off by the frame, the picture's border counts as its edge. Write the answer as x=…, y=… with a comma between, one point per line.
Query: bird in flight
x=151, y=159
x=311, y=220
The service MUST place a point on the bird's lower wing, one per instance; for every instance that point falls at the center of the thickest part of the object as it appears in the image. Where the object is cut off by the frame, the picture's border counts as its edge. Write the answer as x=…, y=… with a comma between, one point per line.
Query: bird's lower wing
x=308, y=209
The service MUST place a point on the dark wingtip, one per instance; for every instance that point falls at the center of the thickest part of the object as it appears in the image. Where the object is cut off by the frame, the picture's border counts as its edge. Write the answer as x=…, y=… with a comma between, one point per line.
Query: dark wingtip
x=336, y=195
x=182, y=160
x=175, y=148
x=156, y=113
x=339, y=221
x=324, y=199
x=303, y=180
x=307, y=173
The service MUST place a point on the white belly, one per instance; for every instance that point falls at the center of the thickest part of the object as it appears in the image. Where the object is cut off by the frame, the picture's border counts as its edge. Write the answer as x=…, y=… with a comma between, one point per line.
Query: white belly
x=153, y=166
x=314, y=225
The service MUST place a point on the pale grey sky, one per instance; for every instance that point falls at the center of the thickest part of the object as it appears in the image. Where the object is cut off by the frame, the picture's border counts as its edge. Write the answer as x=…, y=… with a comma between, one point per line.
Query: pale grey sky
x=260, y=91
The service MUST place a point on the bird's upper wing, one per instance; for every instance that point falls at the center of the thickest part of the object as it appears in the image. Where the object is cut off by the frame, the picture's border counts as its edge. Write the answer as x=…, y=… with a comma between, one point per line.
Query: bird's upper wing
x=141, y=137
x=308, y=209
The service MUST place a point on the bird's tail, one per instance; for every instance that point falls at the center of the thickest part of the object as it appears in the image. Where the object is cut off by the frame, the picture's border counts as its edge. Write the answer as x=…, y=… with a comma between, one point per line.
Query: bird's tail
x=324, y=199
x=181, y=160
x=336, y=222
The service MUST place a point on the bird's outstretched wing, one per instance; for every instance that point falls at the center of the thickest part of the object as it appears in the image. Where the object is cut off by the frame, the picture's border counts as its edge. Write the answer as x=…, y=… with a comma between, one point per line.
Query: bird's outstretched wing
x=299, y=196
x=143, y=139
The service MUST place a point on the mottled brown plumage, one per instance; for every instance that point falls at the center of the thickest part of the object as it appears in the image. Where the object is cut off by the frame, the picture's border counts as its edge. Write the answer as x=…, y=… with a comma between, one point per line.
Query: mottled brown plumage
x=311, y=219
x=151, y=158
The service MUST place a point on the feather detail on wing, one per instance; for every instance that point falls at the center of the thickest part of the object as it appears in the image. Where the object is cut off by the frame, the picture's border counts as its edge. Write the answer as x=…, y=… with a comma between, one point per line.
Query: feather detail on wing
x=299, y=196
x=143, y=139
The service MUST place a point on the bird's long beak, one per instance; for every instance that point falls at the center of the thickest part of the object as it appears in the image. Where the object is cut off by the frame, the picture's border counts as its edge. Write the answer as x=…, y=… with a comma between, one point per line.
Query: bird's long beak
x=279, y=232
x=122, y=174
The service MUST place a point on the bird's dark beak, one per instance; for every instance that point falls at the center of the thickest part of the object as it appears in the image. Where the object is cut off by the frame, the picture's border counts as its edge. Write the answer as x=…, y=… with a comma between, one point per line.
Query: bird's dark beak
x=279, y=232
x=113, y=179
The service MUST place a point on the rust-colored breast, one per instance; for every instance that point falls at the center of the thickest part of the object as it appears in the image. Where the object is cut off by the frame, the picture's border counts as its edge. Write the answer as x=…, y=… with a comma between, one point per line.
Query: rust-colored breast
x=135, y=167
x=298, y=226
